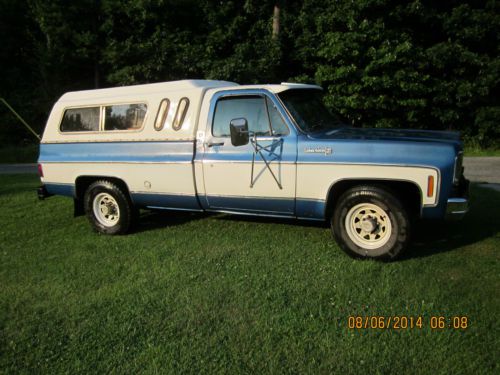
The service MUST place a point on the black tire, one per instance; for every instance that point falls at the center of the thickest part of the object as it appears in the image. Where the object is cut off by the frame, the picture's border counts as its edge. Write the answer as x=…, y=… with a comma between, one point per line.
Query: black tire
x=370, y=222
x=109, y=208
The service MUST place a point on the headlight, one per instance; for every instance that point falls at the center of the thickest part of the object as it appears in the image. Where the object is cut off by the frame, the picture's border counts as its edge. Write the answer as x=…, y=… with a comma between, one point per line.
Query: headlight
x=458, y=168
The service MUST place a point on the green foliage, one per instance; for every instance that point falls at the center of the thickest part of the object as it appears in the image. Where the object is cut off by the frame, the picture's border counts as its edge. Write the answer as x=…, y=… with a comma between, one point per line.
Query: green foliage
x=416, y=64
x=419, y=64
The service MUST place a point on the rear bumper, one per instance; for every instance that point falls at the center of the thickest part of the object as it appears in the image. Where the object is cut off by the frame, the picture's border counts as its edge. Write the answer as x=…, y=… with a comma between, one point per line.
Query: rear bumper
x=43, y=193
x=457, y=207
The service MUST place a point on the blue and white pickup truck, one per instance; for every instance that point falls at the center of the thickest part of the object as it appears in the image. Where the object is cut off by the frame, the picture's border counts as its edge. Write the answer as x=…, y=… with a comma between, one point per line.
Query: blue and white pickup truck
x=264, y=150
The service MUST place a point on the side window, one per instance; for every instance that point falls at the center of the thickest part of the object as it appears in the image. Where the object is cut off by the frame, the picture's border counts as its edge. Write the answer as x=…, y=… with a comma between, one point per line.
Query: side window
x=180, y=114
x=124, y=117
x=277, y=123
x=161, y=117
x=81, y=120
x=253, y=108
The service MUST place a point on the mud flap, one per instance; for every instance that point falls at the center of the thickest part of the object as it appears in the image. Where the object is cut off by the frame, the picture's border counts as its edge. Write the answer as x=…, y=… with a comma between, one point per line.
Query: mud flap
x=78, y=209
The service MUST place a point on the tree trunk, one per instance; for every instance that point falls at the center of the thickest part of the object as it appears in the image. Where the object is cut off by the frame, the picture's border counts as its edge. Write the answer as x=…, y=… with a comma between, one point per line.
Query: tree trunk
x=276, y=21
x=97, y=80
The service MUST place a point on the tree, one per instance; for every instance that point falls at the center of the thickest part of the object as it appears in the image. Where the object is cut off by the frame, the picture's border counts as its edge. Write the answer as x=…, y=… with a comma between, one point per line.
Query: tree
x=418, y=64
x=16, y=62
x=421, y=64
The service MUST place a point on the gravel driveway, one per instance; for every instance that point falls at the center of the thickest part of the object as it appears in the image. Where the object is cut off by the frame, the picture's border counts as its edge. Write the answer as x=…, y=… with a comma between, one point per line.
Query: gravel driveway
x=483, y=169
x=17, y=168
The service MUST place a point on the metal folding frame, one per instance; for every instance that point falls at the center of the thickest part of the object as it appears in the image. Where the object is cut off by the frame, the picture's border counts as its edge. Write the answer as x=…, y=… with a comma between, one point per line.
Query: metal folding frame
x=270, y=148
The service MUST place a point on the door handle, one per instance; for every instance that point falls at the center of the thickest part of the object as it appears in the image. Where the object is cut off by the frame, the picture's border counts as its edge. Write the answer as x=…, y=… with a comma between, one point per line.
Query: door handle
x=212, y=144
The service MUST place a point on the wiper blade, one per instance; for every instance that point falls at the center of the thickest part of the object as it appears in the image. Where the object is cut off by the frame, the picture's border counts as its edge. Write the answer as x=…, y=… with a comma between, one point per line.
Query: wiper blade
x=335, y=130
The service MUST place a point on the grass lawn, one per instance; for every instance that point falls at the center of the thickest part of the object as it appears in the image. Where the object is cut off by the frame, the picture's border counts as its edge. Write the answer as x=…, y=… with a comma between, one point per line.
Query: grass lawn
x=221, y=294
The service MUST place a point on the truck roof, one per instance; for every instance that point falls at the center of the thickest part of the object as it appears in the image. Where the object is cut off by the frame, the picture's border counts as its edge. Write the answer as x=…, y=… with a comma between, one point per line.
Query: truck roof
x=182, y=85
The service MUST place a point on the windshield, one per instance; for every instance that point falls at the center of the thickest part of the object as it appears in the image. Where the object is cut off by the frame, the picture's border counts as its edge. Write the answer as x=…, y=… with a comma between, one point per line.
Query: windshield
x=308, y=110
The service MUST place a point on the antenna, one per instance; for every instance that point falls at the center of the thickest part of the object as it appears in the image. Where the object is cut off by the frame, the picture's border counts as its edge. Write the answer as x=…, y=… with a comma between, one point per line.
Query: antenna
x=20, y=118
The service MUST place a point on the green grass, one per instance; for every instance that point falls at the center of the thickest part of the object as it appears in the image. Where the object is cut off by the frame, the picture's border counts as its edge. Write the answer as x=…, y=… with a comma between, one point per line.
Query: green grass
x=472, y=147
x=221, y=294
x=18, y=154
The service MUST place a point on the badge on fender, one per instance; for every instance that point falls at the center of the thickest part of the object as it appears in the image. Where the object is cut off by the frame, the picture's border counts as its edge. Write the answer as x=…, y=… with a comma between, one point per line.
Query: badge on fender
x=318, y=150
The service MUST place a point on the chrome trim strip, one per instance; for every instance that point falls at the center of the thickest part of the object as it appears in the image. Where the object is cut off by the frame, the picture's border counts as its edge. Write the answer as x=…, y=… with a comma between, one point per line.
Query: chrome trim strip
x=115, y=162
x=58, y=183
x=162, y=193
x=250, y=213
x=311, y=199
x=271, y=139
x=328, y=163
x=142, y=140
x=309, y=218
x=174, y=209
x=374, y=164
x=249, y=197
x=207, y=161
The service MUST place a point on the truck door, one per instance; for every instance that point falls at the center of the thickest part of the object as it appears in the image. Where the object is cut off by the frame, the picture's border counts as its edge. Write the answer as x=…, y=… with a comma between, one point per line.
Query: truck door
x=258, y=177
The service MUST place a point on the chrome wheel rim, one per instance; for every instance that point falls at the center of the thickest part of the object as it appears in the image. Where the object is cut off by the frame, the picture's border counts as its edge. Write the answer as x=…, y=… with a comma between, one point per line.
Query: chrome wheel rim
x=106, y=209
x=368, y=226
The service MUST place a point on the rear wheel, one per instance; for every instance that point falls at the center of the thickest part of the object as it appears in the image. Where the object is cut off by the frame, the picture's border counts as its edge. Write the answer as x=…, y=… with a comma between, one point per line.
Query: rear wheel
x=370, y=222
x=108, y=208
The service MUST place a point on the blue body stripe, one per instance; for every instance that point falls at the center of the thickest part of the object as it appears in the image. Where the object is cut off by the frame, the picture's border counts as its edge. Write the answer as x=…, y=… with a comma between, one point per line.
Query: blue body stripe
x=310, y=209
x=307, y=209
x=304, y=208
x=253, y=204
x=172, y=201
x=124, y=152
x=437, y=212
x=67, y=190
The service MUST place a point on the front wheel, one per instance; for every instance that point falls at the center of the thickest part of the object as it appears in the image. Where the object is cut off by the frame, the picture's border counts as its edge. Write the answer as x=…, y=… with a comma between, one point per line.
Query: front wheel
x=370, y=222
x=108, y=208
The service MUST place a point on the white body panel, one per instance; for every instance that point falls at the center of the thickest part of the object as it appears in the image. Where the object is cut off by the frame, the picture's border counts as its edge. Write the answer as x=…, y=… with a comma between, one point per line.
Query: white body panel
x=314, y=180
x=139, y=177
x=233, y=179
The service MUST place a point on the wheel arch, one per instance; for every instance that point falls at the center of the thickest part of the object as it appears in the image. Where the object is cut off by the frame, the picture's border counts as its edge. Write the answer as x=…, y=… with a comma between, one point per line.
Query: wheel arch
x=83, y=182
x=408, y=192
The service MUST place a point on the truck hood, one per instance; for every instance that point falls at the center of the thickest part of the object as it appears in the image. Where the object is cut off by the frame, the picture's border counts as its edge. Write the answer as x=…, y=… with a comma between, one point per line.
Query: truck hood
x=384, y=134
x=381, y=147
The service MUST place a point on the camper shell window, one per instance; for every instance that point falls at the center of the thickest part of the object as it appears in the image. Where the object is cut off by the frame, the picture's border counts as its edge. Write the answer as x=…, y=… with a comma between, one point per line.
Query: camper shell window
x=118, y=117
x=180, y=114
x=81, y=120
x=161, y=117
x=124, y=116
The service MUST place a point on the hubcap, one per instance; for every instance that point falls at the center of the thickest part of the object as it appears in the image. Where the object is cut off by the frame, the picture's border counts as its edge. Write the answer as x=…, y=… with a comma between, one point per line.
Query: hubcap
x=368, y=226
x=106, y=209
